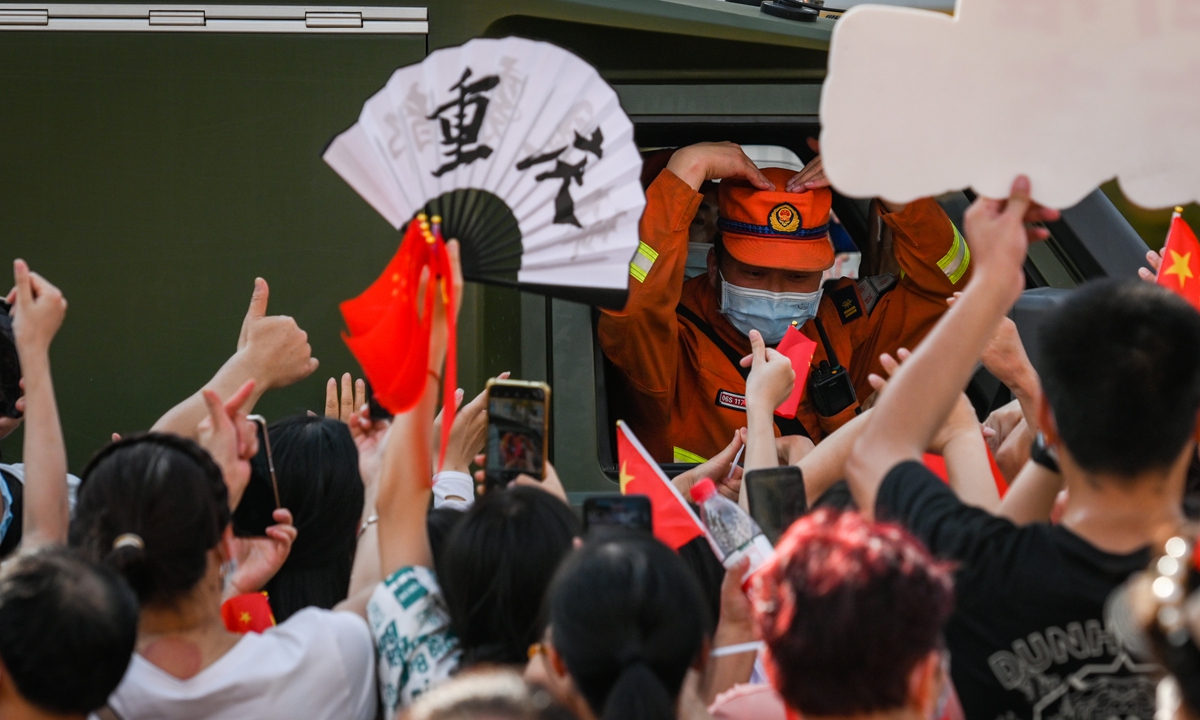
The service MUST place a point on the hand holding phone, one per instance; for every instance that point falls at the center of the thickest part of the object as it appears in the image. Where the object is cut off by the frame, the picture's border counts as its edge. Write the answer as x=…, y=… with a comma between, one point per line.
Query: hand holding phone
x=518, y=423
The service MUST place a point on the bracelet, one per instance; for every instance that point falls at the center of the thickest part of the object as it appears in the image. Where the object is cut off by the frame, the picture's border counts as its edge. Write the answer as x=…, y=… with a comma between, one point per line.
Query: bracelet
x=366, y=524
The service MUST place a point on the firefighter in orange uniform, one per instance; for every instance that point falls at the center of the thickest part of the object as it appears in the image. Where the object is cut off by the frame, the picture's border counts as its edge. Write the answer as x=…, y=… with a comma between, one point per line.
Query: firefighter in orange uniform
x=677, y=343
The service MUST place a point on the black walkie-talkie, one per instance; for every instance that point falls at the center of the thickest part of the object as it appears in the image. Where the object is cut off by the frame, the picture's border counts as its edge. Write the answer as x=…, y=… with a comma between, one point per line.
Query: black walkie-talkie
x=829, y=384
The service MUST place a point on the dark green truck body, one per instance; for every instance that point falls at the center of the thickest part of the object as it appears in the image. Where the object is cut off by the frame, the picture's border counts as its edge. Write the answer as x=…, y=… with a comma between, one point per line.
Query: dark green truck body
x=154, y=174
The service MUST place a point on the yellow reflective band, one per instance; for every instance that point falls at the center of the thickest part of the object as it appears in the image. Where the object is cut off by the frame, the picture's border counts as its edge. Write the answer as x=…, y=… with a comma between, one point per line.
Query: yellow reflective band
x=957, y=259
x=642, y=262
x=683, y=456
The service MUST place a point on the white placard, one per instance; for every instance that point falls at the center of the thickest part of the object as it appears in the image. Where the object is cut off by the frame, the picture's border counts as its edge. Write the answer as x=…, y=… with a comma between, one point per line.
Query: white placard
x=1068, y=92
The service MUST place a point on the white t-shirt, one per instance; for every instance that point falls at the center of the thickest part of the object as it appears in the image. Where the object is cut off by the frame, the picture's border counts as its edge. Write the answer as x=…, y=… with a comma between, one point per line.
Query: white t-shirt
x=317, y=664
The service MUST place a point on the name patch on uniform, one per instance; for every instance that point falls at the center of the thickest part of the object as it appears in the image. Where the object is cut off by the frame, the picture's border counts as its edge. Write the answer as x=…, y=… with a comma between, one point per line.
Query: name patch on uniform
x=871, y=289
x=733, y=401
x=846, y=301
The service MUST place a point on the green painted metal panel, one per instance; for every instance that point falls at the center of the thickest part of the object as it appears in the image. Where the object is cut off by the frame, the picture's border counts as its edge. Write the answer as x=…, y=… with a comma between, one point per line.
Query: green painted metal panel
x=153, y=176
x=454, y=23
x=788, y=100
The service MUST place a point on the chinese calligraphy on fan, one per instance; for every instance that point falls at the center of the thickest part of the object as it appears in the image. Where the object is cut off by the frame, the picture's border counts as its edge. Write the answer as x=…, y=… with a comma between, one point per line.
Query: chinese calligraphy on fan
x=564, y=204
x=461, y=119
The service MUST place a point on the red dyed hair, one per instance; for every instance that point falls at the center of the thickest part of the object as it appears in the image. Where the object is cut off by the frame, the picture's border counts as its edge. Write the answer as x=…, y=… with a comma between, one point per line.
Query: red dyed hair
x=847, y=607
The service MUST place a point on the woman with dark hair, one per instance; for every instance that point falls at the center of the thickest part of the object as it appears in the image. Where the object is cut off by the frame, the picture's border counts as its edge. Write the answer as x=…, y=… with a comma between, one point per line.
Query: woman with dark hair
x=627, y=622
x=316, y=467
x=495, y=566
x=157, y=508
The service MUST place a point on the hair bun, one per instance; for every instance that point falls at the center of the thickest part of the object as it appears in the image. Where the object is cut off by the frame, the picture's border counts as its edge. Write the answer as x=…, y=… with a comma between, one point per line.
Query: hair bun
x=128, y=556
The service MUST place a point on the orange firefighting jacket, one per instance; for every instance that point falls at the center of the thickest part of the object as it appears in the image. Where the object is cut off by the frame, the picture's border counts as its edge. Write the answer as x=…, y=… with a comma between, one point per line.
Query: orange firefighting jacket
x=684, y=398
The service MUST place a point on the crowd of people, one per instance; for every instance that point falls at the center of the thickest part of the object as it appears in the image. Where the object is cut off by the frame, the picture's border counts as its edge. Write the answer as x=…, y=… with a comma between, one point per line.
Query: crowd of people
x=325, y=566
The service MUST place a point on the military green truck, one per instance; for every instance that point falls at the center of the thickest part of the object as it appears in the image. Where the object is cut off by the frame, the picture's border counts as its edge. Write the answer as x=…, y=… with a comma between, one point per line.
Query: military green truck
x=156, y=158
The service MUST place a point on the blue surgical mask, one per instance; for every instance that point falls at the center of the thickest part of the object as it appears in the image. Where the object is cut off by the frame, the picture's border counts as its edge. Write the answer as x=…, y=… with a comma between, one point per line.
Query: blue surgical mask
x=768, y=312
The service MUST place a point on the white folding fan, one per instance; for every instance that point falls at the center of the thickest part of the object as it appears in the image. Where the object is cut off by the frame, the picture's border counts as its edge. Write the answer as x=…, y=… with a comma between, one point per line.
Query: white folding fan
x=522, y=149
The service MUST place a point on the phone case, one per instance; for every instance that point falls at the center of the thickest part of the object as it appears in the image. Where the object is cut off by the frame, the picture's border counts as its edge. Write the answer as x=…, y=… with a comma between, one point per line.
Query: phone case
x=495, y=477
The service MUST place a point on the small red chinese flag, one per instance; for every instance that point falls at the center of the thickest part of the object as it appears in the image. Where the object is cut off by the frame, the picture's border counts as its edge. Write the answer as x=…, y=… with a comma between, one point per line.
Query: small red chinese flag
x=247, y=613
x=674, y=522
x=1180, y=269
x=390, y=325
x=799, y=349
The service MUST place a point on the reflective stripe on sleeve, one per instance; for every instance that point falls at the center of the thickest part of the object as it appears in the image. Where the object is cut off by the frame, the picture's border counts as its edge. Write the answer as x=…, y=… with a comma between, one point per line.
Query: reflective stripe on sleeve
x=643, y=260
x=957, y=259
x=683, y=456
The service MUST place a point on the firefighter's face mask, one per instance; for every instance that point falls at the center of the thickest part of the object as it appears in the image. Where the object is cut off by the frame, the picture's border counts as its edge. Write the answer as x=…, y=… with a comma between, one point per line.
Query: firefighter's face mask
x=768, y=312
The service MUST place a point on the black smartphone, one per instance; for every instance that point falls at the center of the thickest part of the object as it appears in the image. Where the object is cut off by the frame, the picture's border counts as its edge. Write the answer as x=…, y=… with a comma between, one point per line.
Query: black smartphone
x=615, y=510
x=260, y=499
x=777, y=498
x=518, y=422
x=10, y=366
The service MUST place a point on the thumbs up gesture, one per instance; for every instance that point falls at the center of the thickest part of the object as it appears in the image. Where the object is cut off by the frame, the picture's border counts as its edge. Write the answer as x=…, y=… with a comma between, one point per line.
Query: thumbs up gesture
x=274, y=346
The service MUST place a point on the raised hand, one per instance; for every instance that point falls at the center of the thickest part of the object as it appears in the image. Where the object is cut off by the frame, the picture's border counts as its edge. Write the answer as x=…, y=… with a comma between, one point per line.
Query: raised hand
x=468, y=434
x=259, y=558
x=272, y=351
x=716, y=161
x=999, y=233
x=1154, y=260
x=370, y=437
x=274, y=346
x=717, y=468
x=1005, y=356
x=38, y=310
x=230, y=438
x=351, y=399
x=550, y=483
x=813, y=174
x=961, y=419
x=771, y=375
x=1001, y=423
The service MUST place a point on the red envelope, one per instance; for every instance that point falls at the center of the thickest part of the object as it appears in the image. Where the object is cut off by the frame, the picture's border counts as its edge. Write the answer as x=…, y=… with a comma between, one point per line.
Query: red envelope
x=799, y=349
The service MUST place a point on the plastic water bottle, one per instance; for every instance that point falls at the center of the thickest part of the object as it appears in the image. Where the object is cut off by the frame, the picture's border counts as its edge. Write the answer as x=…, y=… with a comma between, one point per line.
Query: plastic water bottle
x=732, y=533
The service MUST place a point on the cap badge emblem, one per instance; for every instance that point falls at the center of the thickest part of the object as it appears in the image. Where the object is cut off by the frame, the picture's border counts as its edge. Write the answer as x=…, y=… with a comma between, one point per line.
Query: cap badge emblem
x=784, y=218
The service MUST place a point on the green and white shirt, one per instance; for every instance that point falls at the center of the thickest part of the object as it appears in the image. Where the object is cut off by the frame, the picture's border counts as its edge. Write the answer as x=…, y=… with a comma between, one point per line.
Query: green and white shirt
x=415, y=647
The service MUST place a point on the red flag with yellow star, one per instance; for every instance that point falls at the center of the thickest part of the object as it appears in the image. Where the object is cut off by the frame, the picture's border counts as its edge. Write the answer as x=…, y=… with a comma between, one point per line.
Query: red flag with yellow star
x=674, y=522
x=1180, y=269
x=247, y=613
x=390, y=325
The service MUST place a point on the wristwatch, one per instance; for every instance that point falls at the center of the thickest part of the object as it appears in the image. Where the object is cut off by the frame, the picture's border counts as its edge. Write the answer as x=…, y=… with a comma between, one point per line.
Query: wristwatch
x=1045, y=456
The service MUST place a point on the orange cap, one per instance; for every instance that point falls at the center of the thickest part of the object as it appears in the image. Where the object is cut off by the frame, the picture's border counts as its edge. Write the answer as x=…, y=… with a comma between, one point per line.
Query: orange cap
x=775, y=228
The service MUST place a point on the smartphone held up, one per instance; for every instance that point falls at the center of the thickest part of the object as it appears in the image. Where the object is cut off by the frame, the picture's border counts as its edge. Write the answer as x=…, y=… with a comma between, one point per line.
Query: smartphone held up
x=518, y=423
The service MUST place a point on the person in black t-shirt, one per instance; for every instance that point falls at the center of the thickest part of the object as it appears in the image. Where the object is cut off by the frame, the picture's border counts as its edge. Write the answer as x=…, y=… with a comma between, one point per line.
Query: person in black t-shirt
x=1121, y=378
